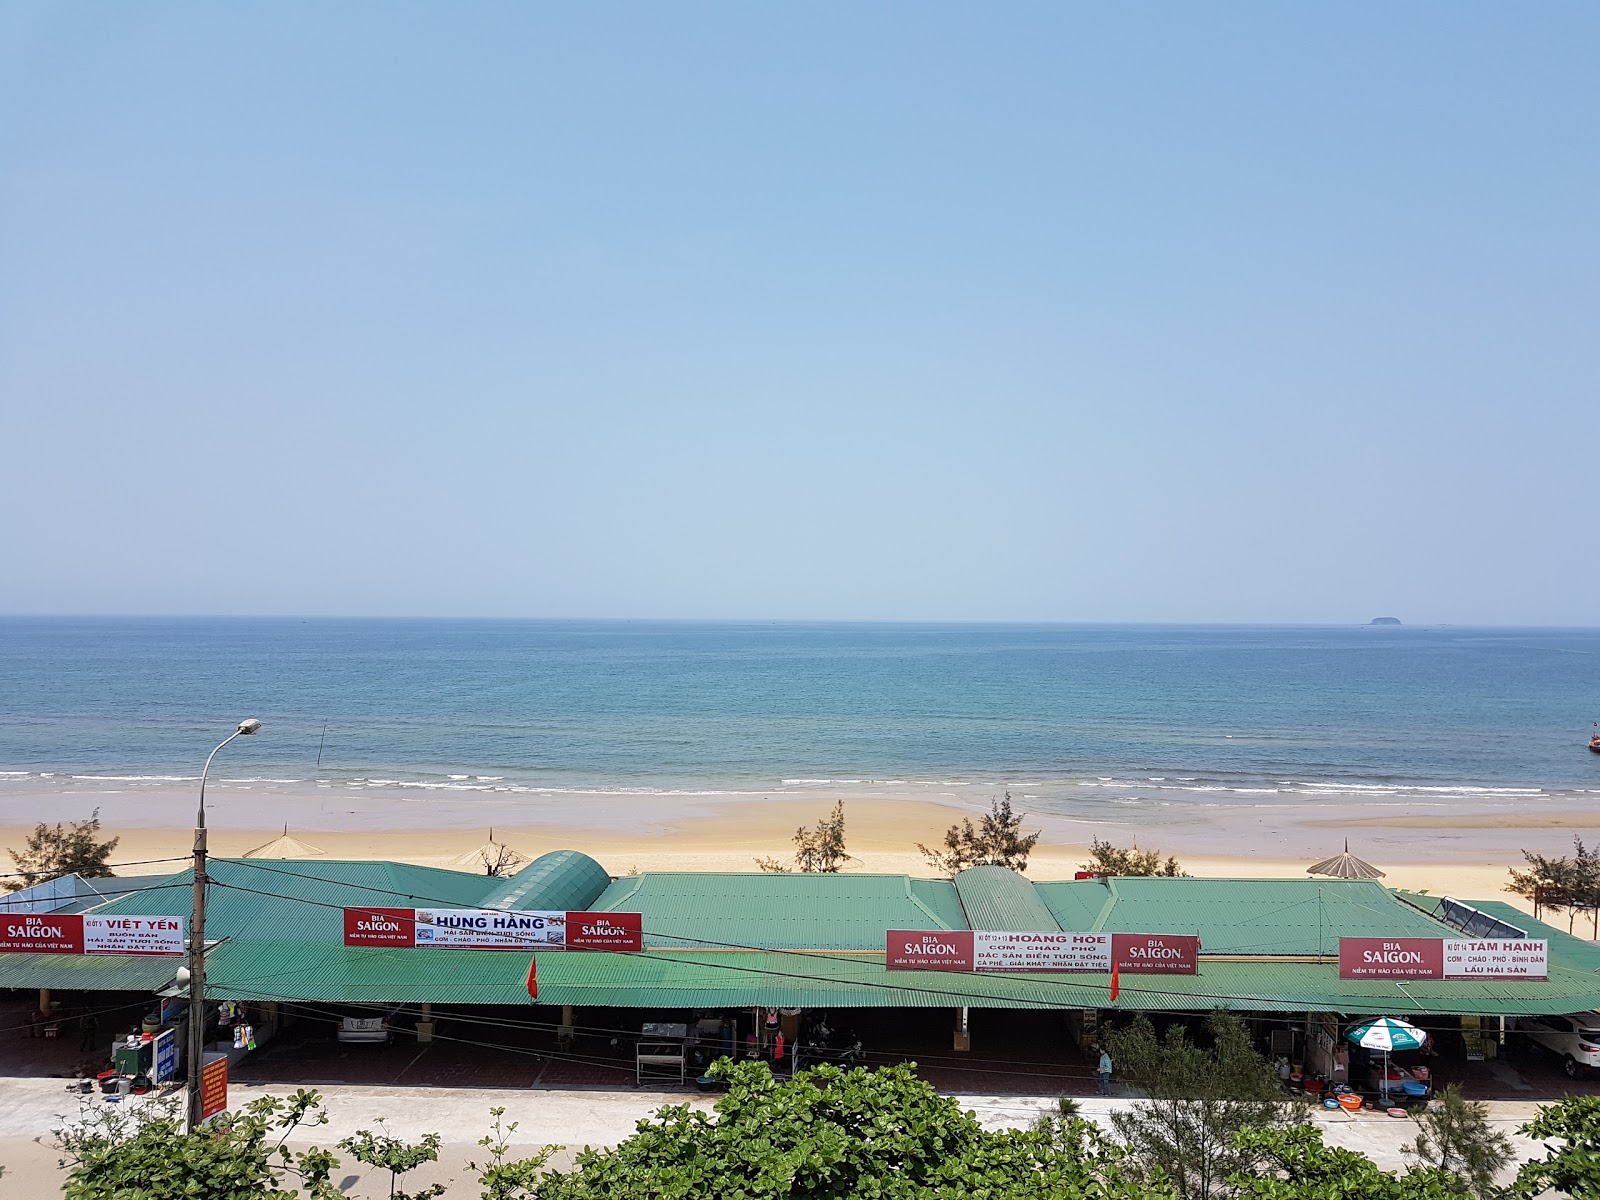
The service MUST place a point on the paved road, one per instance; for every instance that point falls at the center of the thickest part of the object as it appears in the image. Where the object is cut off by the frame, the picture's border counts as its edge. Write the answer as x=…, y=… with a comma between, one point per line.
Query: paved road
x=31, y=1108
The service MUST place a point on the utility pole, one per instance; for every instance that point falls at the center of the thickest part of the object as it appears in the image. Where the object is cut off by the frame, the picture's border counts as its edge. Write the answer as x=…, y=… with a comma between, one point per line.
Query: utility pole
x=197, y=939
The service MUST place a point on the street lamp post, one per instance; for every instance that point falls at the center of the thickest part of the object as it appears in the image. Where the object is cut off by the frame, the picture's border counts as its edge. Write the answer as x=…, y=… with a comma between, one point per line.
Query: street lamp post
x=197, y=937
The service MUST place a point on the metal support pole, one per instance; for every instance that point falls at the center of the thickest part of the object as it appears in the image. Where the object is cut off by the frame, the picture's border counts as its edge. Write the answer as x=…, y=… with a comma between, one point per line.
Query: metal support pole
x=197, y=942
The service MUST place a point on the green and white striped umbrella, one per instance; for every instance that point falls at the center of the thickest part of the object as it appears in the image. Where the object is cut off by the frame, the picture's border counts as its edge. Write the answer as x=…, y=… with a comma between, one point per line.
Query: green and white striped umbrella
x=1387, y=1034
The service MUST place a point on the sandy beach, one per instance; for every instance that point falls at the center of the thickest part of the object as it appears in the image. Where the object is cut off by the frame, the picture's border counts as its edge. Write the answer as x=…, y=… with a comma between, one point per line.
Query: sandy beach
x=1464, y=852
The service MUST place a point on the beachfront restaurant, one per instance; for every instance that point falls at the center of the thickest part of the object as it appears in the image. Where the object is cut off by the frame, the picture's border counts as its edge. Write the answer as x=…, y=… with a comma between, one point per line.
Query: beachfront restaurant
x=687, y=966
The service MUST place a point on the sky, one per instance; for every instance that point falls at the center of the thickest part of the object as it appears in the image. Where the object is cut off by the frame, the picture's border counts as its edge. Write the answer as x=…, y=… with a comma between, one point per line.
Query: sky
x=1242, y=312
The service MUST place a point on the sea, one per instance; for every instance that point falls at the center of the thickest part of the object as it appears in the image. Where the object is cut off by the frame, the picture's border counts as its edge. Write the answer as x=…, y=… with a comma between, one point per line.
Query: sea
x=1064, y=716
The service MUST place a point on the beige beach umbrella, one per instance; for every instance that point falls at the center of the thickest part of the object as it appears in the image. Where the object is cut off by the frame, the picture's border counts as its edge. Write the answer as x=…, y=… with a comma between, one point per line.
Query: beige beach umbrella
x=1345, y=866
x=492, y=858
x=284, y=846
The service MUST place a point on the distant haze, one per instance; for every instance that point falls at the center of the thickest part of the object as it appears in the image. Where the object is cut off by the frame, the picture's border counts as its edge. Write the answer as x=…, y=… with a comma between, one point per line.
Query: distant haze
x=1240, y=312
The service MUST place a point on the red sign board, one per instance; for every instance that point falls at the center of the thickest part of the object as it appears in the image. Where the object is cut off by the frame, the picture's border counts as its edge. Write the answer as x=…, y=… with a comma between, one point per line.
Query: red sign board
x=921, y=950
x=1391, y=958
x=1156, y=953
x=214, y=1087
x=490, y=929
x=380, y=927
x=41, y=933
x=605, y=931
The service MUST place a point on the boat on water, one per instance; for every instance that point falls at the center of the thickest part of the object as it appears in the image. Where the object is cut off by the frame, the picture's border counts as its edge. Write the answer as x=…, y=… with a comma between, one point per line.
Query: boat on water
x=1594, y=741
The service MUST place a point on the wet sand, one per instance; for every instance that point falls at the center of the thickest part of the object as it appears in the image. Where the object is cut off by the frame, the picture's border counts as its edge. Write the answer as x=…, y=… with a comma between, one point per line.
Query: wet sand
x=1462, y=853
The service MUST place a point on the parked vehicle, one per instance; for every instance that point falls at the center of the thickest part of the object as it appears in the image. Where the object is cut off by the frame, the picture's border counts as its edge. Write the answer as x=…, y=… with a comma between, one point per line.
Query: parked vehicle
x=363, y=1031
x=1575, y=1037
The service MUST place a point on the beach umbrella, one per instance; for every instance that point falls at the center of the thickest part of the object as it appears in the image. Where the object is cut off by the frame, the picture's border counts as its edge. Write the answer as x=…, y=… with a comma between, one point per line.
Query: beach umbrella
x=285, y=846
x=1388, y=1035
x=1345, y=866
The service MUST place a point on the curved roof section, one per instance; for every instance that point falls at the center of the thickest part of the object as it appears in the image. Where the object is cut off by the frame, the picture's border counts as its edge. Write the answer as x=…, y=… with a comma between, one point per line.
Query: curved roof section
x=999, y=898
x=561, y=881
x=684, y=910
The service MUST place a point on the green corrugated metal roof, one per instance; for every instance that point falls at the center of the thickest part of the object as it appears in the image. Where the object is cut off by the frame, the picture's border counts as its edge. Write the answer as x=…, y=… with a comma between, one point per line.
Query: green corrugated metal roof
x=290, y=970
x=87, y=972
x=1241, y=916
x=1078, y=905
x=998, y=898
x=561, y=881
x=821, y=912
x=1572, y=951
x=939, y=895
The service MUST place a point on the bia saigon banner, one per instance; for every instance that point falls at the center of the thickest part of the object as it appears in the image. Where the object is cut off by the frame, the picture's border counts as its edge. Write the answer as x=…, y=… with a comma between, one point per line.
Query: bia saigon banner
x=1443, y=958
x=989, y=950
x=492, y=929
x=62, y=933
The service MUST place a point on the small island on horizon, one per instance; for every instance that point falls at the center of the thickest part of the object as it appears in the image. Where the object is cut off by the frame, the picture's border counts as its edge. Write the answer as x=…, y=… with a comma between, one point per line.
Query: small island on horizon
x=1384, y=621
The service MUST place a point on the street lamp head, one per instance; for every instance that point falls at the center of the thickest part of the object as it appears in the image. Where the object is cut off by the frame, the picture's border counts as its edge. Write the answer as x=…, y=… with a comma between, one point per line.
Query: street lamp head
x=250, y=726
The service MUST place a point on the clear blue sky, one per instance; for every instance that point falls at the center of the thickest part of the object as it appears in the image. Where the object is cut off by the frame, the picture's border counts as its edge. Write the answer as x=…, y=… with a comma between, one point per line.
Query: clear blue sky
x=1167, y=312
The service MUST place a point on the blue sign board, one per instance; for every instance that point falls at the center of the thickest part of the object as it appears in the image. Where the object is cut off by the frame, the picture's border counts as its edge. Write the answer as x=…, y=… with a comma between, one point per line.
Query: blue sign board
x=166, y=1055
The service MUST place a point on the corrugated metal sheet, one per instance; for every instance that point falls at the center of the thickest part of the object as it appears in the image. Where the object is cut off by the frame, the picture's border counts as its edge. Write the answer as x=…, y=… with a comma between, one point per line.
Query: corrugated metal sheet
x=1242, y=916
x=1573, y=951
x=939, y=895
x=1077, y=906
x=821, y=912
x=1001, y=899
x=87, y=972
x=287, y=970
x=561, y=881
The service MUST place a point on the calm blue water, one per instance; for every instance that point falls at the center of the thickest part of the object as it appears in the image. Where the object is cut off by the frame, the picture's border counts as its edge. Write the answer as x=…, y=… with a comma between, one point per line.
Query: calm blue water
x=470, y=705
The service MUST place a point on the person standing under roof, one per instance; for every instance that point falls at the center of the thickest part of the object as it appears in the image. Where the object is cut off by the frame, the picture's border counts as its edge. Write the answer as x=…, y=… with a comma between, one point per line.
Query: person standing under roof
x=1104, y=1072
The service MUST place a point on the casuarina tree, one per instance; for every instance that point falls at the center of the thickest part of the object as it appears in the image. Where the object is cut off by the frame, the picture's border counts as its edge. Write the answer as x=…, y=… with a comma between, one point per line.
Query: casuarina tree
x=1106, y=859
x=1200, y=1098
x=996, y=841
x=55, y=850
x=1454, y=1134
x=818, y=851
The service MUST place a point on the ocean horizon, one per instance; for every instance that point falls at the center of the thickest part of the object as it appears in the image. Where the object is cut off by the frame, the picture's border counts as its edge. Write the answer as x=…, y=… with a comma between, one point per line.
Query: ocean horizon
x=1067, y=717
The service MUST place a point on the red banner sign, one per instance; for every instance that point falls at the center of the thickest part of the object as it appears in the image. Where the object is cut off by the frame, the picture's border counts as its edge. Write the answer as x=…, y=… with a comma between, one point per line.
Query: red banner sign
x=996, y=951
x=492, y=929
x=380, y=927
x=1443, y=958
x=605, y=931
x=1156, y=953
x=62, y=933
x=41, y=933
x=919, y=950
x=214, y=1087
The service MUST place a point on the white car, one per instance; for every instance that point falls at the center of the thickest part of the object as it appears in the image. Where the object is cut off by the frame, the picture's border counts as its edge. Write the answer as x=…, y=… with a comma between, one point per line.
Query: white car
x=363, y=1031
x=1575, y=1037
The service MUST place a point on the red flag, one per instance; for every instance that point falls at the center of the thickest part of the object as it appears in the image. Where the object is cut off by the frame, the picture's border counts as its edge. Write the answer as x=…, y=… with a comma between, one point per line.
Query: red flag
x=533, y=978
x=1116, y=980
